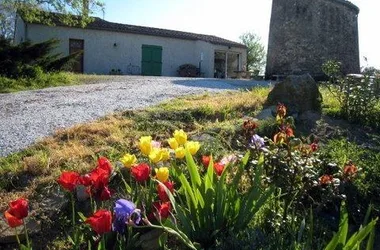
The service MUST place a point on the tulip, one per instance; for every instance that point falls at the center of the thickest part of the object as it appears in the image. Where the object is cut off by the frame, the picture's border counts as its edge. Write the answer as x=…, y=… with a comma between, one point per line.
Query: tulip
x=128, y=160
x=141, y=172
x=19, y=208
x=105, y=194
x=162, y=174
x=162, y=209
x=68, y=180
x=99, y=178
x=173, y=143
x=161, y=190
x=165, y=154
x=218, y=167
x=179, y=153
x=12, y=220
x=105, y=164
x=155, y=155
x=206, y=160
x=100, y=221
x=180, y=136
x=192, y=147
x=228, y=159
x=145, y=144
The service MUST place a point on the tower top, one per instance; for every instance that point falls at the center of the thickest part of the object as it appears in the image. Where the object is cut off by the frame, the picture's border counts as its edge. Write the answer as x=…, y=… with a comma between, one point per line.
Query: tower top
x=349, y=4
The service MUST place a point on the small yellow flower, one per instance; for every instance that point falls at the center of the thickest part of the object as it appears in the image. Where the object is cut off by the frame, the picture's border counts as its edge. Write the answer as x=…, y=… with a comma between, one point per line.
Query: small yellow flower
x=179, y=153
x=165, y=154
x=155, y=155
x=128, y=160
x=180, y=136
x=145, y=144
x=192, y=147
x=173, y=143
x=162, y=174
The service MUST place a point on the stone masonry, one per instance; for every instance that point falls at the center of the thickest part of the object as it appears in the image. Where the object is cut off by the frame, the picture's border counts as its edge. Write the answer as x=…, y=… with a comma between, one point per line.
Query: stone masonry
x=306, y=33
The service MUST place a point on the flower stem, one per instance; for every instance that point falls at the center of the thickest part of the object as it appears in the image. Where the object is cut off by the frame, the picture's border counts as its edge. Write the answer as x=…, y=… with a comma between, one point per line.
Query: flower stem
x=26, y=234
x=72, y=209
x=17, y=238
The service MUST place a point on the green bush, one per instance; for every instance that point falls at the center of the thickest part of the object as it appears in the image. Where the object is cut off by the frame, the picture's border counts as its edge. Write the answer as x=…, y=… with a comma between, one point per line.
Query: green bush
x=356, y=95
x=40, y=80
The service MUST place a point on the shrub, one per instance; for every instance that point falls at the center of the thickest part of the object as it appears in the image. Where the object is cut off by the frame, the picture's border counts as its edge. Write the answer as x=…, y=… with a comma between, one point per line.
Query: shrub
x=188, y=70
x=356, y=95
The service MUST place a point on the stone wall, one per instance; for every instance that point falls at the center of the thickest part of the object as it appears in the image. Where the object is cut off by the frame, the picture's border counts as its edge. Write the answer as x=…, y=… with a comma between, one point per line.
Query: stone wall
x=306, y=33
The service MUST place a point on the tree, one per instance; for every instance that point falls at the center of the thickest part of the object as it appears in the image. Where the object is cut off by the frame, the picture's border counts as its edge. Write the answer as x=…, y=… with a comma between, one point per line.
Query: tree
x=255, y=51
x=27, y=59
x=76, y=12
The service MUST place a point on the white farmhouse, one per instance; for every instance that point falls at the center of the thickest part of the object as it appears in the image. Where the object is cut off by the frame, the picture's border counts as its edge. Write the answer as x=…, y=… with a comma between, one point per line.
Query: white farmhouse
x=129, y=49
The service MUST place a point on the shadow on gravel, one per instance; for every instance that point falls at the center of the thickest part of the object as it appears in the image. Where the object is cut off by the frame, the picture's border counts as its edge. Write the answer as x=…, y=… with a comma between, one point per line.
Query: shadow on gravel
x=228, y=84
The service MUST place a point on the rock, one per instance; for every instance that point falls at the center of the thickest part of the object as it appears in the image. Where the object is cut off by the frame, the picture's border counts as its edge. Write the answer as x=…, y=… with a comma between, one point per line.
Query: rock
x=266, y=113
x=299, y=93
x=7, y=234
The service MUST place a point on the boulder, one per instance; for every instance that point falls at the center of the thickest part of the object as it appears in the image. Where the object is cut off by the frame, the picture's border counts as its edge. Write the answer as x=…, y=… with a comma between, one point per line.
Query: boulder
x=299, y=93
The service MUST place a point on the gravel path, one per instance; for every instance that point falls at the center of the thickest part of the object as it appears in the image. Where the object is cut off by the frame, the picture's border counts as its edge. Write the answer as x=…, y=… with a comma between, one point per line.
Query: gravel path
x=29, y=115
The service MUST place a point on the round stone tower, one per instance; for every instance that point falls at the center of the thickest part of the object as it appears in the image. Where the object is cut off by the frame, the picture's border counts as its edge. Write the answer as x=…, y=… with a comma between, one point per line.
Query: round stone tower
x=306, y=33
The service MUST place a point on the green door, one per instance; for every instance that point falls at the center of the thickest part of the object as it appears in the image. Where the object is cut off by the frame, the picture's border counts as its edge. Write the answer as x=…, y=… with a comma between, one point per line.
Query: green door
x=151, y=63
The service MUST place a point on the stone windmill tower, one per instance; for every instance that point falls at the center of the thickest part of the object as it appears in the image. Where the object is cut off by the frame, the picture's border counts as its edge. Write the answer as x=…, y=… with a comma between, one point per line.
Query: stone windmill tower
x=306, y=33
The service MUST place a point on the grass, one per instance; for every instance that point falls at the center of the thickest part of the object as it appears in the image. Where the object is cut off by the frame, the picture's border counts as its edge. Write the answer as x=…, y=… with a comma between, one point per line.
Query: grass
x=45, y=80
x=218, y=116
x=112, y=136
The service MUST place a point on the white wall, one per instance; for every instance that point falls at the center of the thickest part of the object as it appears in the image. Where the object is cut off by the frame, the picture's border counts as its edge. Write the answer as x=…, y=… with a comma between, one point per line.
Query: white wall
x=20, y=35
x=100, y=54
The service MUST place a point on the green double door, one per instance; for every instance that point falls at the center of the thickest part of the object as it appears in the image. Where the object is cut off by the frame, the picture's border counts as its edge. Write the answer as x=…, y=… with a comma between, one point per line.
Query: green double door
x=151, y=63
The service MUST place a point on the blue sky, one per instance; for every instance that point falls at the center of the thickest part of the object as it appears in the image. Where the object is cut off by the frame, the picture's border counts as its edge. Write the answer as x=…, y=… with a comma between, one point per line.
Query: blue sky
x=229, y=19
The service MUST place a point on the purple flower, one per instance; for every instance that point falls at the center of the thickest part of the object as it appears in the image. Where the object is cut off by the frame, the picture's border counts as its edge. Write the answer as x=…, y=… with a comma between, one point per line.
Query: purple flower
x=257, y=142
x=125, y=212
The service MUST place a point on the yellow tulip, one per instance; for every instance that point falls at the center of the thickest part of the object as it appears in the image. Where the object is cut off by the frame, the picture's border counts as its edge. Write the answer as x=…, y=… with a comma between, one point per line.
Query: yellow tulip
x=128, y=160
x=179, y=153
x=192, y=147
x=165, y=154
x=145, y=144
x=155, y=155
x=173, y=143
x=162, y=174
x=180, y=136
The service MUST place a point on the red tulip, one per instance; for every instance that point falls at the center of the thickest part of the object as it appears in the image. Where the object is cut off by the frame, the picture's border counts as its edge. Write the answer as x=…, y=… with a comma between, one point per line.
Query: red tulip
x=68, y=180
x=206, y=160
x=105, y=164
x=161, y=190
x=19, y=208
x=141, y=172
x=218, y=167
x=162, y=209
x=105, y=194
x=85, y=180
x=12, y=220
x=100, y=221
x=99, y=178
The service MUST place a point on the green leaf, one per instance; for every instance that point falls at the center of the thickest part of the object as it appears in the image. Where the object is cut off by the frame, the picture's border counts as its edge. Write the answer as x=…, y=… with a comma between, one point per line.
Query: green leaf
x=371, y=241
x=343, y=225
x=193, y=170
x=359, y=236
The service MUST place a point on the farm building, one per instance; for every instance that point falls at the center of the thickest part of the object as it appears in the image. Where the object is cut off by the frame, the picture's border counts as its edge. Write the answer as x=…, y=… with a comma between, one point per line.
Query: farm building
x=128, y=49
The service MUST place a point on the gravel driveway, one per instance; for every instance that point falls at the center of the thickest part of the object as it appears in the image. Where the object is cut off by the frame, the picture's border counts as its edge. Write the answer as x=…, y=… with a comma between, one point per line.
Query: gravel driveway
x=29, y=115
